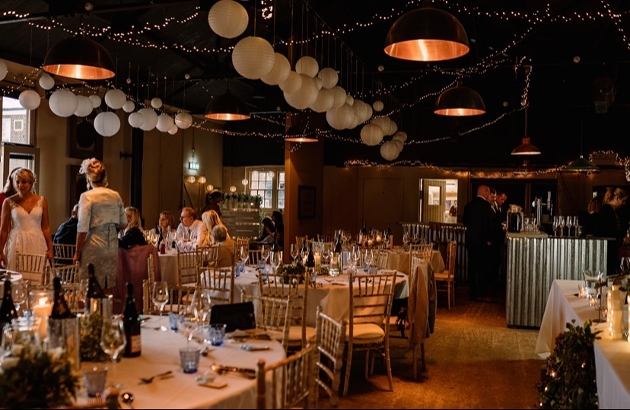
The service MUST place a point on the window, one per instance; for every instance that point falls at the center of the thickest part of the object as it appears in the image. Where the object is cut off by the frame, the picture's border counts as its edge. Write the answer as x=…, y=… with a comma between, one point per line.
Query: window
x=269, y=184
x=15, y=122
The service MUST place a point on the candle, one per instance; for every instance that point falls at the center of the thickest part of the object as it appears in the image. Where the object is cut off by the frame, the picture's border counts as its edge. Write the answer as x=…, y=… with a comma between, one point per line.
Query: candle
x=42, y=309
x=318, y=261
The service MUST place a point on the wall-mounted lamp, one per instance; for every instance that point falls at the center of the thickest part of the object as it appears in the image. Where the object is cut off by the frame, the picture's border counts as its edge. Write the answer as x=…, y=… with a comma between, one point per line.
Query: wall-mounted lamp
x=244, y=181
x=232, y=188
x=193, y=165
x=201, y=179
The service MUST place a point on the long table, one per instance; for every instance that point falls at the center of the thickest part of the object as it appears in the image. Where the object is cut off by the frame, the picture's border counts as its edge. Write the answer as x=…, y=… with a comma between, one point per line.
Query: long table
x=611, y=356
x=160, y=353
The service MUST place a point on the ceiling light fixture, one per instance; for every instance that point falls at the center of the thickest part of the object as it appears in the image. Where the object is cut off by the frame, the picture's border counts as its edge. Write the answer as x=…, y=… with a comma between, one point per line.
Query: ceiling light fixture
x=80, y=58
x=426, y=34
x=227, y=107
x=526, y=148
x=459, y=101
x=581, y=164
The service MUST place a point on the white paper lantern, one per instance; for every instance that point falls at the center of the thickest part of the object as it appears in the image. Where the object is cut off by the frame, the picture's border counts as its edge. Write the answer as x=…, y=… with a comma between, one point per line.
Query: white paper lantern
x=389, y=151
x=371, y=134
x=3, y=69
x=340, y=96
x=329, y=77
x=150, y=119
x=46, y=81
x=393, y=127
x=369, y=113
x=96, y=101
x=319, y=82
x=305, y=96
x=341, y=117
x=84, y=107
x=115, y=99
x=107, y=123
x=228, y=18
x=280, y=71
x=165, y=122
x=63, y=103
x=173, y=129
x=354, y=123
x=382, y=122
x=307, y=65
x=378, y=106
x=29, y=99
x=292, y=83
x=253, y=57
x=360, y=110
x=399, y=145
x=400, y=136
x=129, y=106
x=183, y=120
x=349, y=100
x=324, y=101
x=156, y=102
x=135, y=119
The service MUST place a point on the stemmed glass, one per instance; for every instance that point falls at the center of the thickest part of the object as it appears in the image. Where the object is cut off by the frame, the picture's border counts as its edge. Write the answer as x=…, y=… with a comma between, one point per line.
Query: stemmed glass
x=243, y=255
x=113, y=340
x=264, y=255
x=555, y=225
x=326, y=254
x=276, y=260
x=368, y=259
x=18, y=293
x=569, y=224
x=294, y=252
x=160, y=299
x=356, y=256
x=201, y=305
x=561, y=224
x=385, y=239
x=188, y=328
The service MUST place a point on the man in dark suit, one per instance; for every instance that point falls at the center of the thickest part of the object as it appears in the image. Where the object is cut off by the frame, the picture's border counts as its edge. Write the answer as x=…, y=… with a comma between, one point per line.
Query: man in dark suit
x=478, y=217
x=67, y=231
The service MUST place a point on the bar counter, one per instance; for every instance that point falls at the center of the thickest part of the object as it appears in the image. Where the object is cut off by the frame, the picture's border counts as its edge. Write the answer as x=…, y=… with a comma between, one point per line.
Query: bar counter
x=534, y=260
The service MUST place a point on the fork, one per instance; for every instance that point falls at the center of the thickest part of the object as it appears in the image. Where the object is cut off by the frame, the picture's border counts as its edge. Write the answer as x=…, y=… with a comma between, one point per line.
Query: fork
x=220, y=369
x=147, y=380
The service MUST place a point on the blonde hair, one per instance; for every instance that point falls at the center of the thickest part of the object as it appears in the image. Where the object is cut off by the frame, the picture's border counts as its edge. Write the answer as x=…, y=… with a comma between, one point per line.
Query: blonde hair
x=94, y=172
x=9, y=189
x=24, y=173
x=211, y=219
x=134, y=215
x=170, y=220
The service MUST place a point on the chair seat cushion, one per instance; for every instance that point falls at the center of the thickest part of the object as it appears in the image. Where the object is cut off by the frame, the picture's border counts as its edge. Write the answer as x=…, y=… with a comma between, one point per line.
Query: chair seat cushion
x=295, y=334
x=366, y=333
x=442, y=276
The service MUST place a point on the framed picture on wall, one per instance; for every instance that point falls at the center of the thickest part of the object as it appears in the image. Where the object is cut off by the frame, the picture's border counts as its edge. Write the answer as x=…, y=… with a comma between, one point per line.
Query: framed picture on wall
x=306, y=202
x=83, y=140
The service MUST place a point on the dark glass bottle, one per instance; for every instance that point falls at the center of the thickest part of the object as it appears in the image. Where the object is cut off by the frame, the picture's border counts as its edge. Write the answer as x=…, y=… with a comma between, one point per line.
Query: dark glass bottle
x=311, y=275
x=131, y=322
x=60, y=308
x=94, y=292
x=335, y=262
x=364, y=229
x=390, y=236
x=7, y=309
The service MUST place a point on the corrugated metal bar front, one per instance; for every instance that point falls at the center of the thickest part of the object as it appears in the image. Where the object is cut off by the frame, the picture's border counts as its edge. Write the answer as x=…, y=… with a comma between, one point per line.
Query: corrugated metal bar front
x=533, y=264
x=441, y=232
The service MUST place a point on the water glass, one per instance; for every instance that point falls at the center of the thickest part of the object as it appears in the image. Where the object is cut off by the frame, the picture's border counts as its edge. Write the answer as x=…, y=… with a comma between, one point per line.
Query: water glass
x=94, y=380
x=189, y=358
x=217, y=333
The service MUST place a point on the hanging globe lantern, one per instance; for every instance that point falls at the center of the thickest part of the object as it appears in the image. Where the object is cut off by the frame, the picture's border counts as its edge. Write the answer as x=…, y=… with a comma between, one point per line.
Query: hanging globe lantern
x=228, y=18
x=329, y=77
x=115, y=99
x=400, y=136
x=63, y=103
x=96, y=101
x=349, y=100
x=382, y=122
x=378, y=106
x=253, y=57
x=371, y=134
x=389, y=151
x=354, y=123
x=292, y=83
x=107, y=123
x=29, y=99
x=305, y=96
x=183, y=120
x=129, y=106
x=173, y=129
x=340, y=96
x=150, y=119
x=3, y=69
x=135, y=119
x=340, y=118
x=399, y=145
x=84, y=107
x=360, y=110
x=324, y=101
x=307, y=65
x=156, y=102
x=164, y=123
x=46, y=81
x=280, y=71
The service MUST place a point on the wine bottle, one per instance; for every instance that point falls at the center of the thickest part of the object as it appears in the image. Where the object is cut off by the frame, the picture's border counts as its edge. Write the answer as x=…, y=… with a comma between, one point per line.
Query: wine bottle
x=335, y=259
x=364, y=229
x=94, y=292
x=131, y=322
x=7, y=309
x=390, y=236
x=310, y=265
x=60, y=308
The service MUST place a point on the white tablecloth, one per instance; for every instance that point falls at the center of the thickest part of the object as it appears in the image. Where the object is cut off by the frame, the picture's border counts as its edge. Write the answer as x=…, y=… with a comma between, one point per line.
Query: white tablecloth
x=160, y=353
x=399, y=260
x=611, y=356
x=333, y=294
x=168, y=267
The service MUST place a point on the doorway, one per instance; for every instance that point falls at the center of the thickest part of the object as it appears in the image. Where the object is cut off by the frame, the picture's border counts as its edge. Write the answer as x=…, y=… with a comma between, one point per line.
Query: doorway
x=438, y=200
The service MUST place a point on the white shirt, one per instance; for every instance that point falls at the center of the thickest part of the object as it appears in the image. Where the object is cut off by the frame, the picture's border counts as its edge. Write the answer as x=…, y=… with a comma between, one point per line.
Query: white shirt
x=197, y=229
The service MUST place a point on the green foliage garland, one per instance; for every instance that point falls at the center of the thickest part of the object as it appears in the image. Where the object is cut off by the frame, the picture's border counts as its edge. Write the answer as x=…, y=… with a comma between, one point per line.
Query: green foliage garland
x=568, y=379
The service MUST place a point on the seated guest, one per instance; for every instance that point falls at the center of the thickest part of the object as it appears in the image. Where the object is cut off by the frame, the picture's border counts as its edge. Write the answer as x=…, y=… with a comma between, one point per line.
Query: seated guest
x=165, y=224
x=67, y=231
x=268, y=232
x=278, y=222
x=192, y=227
x=211, y=219
x=226, y=246
x=132, y=235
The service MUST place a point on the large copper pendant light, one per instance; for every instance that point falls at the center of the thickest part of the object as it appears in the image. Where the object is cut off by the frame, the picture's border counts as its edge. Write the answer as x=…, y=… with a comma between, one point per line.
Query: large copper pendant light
x=80, y=58
x=459, y=101
x=227, y=107
x=426, y=34
x=526, y=148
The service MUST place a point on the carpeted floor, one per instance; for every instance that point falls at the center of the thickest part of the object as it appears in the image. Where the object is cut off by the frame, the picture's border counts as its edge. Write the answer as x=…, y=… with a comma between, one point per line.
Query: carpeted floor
x=473, y=361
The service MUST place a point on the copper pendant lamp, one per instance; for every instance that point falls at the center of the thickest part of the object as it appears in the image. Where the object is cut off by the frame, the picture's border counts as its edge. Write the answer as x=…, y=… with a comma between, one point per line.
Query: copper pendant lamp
x=297, y=128
x=426, y=34
x=581, y=164
x=227, y=107
x=459, y=101
x=526, y=148
x=81, y=58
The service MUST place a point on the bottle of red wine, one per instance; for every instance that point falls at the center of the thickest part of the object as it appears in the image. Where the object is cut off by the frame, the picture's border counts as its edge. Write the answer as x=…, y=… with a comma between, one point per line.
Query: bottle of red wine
x=310, y=265
x=131, y=322
x=94, y=291
x=7, y=309
x=60, y=308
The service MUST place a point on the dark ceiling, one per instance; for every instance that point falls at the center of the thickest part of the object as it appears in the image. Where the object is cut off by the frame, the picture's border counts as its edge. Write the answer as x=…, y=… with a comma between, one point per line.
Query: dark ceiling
x=577, y=53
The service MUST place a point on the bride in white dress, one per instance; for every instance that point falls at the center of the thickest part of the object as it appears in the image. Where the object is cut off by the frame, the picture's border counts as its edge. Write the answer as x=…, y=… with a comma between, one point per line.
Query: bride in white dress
x=24, y=227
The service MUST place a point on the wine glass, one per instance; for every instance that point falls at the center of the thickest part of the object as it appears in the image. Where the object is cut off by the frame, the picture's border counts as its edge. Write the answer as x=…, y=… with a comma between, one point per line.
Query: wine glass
x=356, y=256
x=200, y=305
x=243, y=255
x=160, y=299
x=569, y=223
x=561, y=224
x=555, y=225
x=18, y=293
x=368, y=259
x=294, y=252
x=264, y=254
x=188, y=327
x=386, y=239
x=276, y=260
x=326, y=254
x=113, y=340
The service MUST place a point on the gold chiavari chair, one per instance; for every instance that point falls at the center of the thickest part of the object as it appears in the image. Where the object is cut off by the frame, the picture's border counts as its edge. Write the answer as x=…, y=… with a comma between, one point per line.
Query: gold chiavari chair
x=445, y=280
x=330, y=338
x=64, y=253
x=32, y=268
x=273, y=315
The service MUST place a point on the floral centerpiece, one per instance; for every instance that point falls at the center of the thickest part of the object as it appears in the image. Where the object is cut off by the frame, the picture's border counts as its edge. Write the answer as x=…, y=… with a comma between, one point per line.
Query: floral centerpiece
x=291, y=271
x=31, y=377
